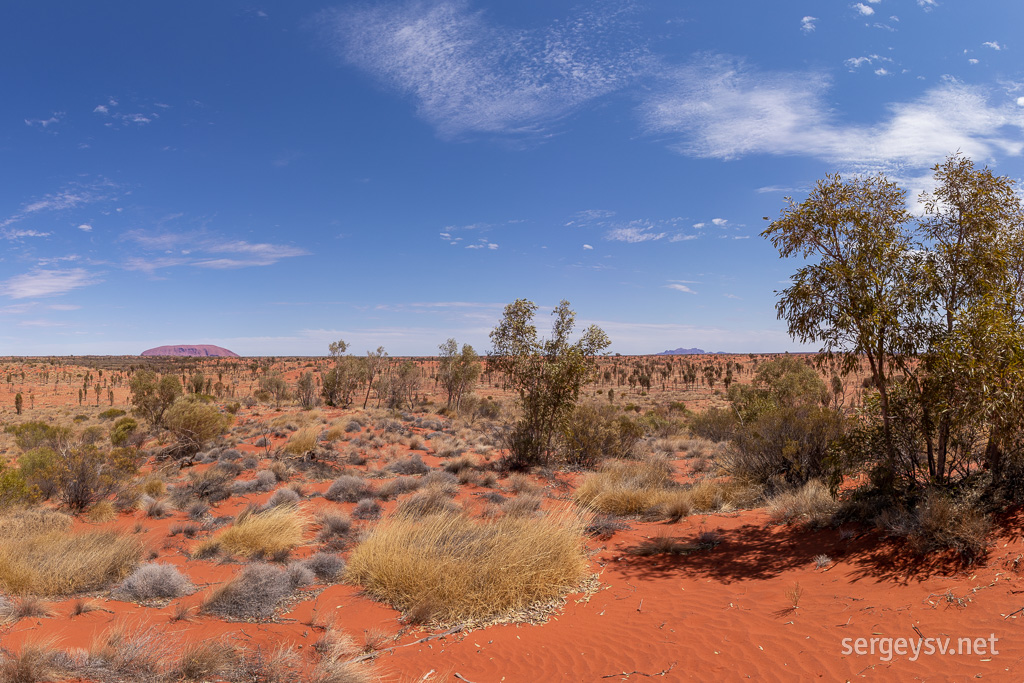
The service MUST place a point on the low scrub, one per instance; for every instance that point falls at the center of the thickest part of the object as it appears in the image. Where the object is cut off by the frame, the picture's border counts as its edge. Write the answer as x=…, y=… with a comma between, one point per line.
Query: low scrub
x=940, y=523
x=153, y=581
x=303, y=441
x=594, y=432
x=41, y=555
x=254, y=593
x=268, y=533
x=811, y=505
x=627, y=487
x=456, y=569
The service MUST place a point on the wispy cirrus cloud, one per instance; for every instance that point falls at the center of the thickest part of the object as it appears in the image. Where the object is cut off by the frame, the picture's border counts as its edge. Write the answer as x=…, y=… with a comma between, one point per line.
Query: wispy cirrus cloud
x=70, y=197
x=201, y=250
x=467, y=75
x=721, y=108
x=807, y=24
x=39, y=283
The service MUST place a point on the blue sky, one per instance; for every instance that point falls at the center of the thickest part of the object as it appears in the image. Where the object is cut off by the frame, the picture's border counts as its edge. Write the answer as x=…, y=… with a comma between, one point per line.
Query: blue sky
x=272, y=177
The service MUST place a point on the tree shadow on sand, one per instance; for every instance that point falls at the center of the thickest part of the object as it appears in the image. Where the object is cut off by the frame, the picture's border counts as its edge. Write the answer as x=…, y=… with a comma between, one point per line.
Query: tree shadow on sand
x=760, y=552
x=746, y=552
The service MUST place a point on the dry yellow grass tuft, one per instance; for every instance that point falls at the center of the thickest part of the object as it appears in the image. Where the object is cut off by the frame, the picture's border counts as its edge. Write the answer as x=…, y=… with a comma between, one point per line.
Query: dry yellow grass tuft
x=450, y=568
x=811, y=504
x=627, y=487
x=264, y=534
x=302, y=441
x=40, y=555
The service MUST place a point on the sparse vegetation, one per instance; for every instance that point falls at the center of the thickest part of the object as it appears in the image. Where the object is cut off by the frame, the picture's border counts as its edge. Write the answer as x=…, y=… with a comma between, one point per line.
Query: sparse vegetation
x=459, y=568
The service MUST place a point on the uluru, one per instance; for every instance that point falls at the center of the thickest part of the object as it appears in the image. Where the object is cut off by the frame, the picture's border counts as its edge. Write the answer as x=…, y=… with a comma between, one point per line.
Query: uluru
x=204, y=350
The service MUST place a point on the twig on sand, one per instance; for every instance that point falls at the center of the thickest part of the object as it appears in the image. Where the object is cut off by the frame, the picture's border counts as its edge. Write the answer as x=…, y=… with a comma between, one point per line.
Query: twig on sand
x=1012, y=613
x=462, y=678
x=371, y=655
x=663, y=672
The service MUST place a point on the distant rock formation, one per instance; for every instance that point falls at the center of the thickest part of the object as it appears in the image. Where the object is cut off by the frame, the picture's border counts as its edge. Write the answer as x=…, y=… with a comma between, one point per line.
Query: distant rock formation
x=681, y=352
x=204, y=350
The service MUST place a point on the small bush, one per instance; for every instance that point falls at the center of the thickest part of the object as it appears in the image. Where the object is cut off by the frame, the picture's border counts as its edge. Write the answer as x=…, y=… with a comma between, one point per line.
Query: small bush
x=333, y=525
x=153, y=581
x=396, y=487
x=123, y=430
x=102, y=511
x=206, y=660
x=426, y=502
x=326, y=566
x=594, y=432
x=411, y=465
x=254, y=593
x=626, y=487
x=811, y=504
x=470, y=570
x=193, y=423
x=264, y=534
x=283, y=497
x=367, y=508
x=940, y=523
x=347, y=489
x=303, y=441
x=521, y=506
x=714, y=424
x=111, y=413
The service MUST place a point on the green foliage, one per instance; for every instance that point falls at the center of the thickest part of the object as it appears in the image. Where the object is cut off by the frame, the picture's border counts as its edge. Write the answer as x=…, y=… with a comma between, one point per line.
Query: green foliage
x=274, y=386
x=305, y=391
x=193, y=423
x=934, y=304
x=19, y=403
x=85, y=475
x=111, y=413
x=341, y=381
x=29, y=435
x=151, y=396
x=14, y=488
x=122, y=431
x=591, y=433
x=457, y=371
x=546, y=375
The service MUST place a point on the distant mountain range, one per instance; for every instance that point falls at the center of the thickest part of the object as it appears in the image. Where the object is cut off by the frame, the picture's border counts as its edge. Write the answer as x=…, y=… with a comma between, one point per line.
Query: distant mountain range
x=686, y=352
x=202, y=350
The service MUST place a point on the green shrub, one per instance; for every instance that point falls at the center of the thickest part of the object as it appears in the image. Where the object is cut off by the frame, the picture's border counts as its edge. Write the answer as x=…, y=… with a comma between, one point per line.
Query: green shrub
x=111, y=413
x=714, y=424
x=594, y=432
x=29, y=435
x=123, y=430
x=194, y=422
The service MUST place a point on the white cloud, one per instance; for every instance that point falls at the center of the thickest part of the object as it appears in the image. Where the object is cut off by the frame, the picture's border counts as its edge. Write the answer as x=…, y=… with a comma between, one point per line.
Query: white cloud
x=587, y=247
x=719, y=222
x=64, y=307
x=467, y=75
x=70, y=197
x=1020, y=101
x=881, y=71
x=21, y=234
x=633, y=234
x=680, y=288
x=807, y=24
x=732, y=296
x=197, y=250
x=720, y=108
x=972, y=61
x=927, y=4
x=682, y=238
x=40, y=283
x=45, y=123
x=864, y=9
x=994, y=45
x=85, y=227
